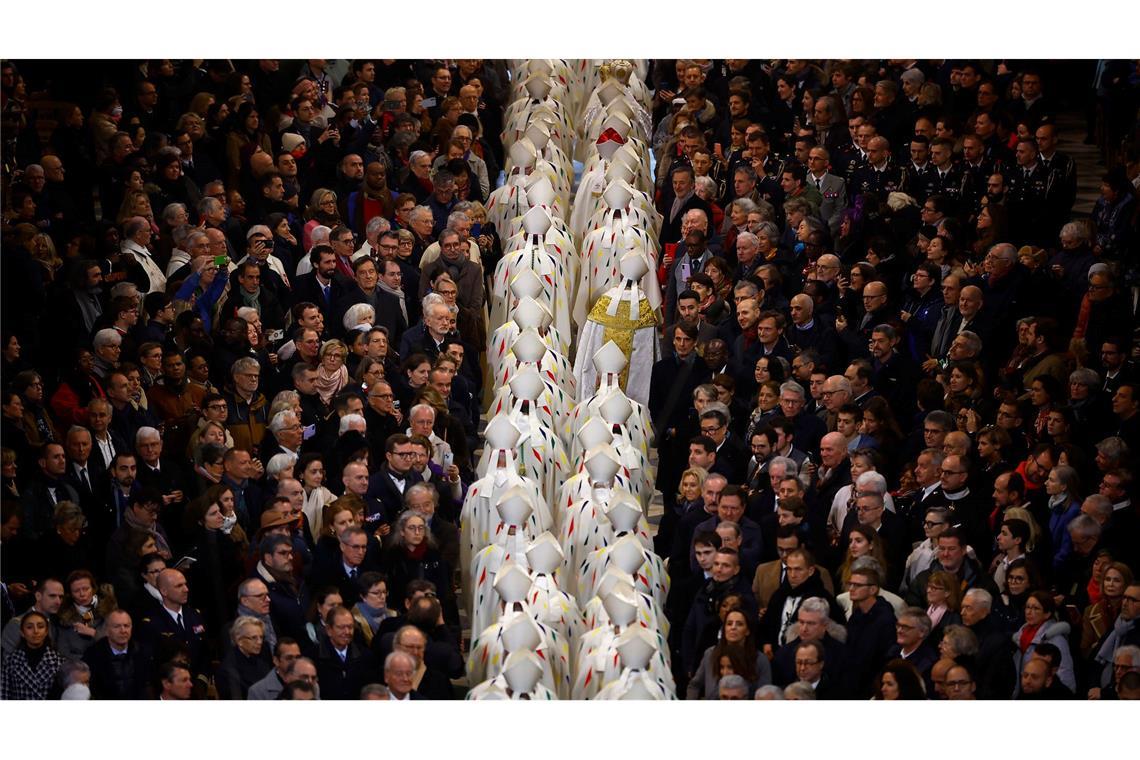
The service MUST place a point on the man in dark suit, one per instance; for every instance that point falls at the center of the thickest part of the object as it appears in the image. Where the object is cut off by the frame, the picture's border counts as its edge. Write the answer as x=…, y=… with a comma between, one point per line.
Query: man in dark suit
x=344, y=667
x=870, y=513
x=912, y=643
x=173, y=624
x=731, y=454
x=48, y=489
x=344, y=570
x=83, y=474
x=388, y=484
x=684, y=200
x=121, y=668
x=324, y=285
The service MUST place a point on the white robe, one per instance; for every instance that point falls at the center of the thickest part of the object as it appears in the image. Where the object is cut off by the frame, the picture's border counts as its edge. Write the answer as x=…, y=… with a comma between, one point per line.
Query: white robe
x=478, y=517
x=488, y=655
x=637, y=337
x=499, y=344
x=554, y=607
x=542, y=258
x=486, y=605
x=639, y=426
x=649, y=615
x=639, y=682
x=552, y=406
x=497, y=688
x=601, y=252
x=600, y=665
x=541, y=458
x=651, y=578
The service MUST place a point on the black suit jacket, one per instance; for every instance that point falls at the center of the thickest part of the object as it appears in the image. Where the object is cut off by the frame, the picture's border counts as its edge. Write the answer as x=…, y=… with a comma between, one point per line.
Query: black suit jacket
x=381, y=487
x=671, y=228
x=161, y=633
x=306, y=288
x=125, y=676
x=344, y=680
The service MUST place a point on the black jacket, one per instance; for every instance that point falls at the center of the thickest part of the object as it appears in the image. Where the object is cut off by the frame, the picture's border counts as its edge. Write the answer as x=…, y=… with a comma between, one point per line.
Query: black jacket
x=119, y=676
x=870, y=636
x=344, y=680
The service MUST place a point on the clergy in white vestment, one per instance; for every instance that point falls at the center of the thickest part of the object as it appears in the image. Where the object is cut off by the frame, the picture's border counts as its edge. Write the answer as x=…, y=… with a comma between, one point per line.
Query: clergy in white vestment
x=550, y=604
x=597, y=658
x=625, y=315
x=516, y=631
x=636, y=647
x=520, y=680
x=609, y=364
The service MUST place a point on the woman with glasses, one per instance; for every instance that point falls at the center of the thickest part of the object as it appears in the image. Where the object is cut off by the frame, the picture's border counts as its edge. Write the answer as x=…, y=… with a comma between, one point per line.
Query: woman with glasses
x=322, y=211
x=332, y=375
x=246, y=662
x=1021, y=579
x=412, y=554
x=1042, y=626
x=67, y=547
x=372, y=609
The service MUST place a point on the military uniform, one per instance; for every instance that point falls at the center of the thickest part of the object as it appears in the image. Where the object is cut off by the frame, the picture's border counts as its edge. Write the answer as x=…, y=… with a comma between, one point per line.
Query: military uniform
x=846, y=160
x=974, y=179
x=1060, y=189
x=162, y=633
x=868, y=179
x=917, y=180
x=1025, y=199
x=950, y=184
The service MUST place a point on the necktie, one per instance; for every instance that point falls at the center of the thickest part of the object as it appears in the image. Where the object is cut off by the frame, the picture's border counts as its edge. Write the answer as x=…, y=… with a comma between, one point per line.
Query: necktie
x=83, y=477
x=352, y=573
x=343, y=656
x=181, y=624
x=325, y=291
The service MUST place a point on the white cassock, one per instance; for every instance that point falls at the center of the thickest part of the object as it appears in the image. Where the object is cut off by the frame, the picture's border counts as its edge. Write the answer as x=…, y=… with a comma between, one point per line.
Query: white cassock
x=635, y=684
x=557, y=241
x=497, y=688
x=649, y=614
x=585, y=529
x=555, y=608
x=640, y=213
x=633, y=327
x=541, y=458
x=488, y=654
x=554, y=368
x=601, y=253
x=478, y=518
x=500, y=342
x=508, y=201
x=534, y=253
x=635, y=466
x=552, y=407
x=486, y=606
x=651, y=578
x=600, y=665
x=638, y=427
x=579, y=487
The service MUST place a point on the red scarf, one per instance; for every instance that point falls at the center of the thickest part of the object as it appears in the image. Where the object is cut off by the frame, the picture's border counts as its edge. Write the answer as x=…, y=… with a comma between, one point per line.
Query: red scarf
x=417, y=552
x=1027, y=634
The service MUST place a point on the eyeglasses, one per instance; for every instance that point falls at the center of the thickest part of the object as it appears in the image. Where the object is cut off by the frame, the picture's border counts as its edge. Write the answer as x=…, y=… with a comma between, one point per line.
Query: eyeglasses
x=403, y=454
x=957, y=684
x=262, y=595
x=711, y=429
x=856, y=584
x=931, y=524
x=415, y=528
x=904, y=627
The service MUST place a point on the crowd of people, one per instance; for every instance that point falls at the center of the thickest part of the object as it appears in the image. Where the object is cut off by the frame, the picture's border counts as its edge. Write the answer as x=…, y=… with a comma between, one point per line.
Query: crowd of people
x=245, y=353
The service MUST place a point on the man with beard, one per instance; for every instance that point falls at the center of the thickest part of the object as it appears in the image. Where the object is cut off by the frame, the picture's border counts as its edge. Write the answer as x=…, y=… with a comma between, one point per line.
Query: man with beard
x=374, y=198
x=175, y=401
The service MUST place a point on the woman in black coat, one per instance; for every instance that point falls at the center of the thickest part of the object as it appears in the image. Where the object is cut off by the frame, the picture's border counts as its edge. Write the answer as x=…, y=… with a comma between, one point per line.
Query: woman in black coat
x=413, y=555
x=217, y=566
x=246, y=662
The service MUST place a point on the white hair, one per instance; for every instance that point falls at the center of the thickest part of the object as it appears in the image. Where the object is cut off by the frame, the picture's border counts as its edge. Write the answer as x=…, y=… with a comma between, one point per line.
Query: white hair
x=348, y=420
x=356, y=315
x=107, y=337
x=280, y=420
x=278, y=463
x=144, y=433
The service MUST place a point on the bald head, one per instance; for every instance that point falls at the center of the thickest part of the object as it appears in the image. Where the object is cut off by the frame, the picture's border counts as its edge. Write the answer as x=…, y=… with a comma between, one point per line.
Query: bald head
x=970, y=301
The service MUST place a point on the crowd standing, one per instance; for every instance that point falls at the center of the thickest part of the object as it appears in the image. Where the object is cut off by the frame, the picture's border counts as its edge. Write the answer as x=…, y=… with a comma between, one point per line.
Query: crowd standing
x=245, y=342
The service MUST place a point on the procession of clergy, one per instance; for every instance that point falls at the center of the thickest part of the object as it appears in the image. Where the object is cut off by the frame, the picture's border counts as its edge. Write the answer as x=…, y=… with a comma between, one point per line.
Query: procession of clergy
x=563, y=591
